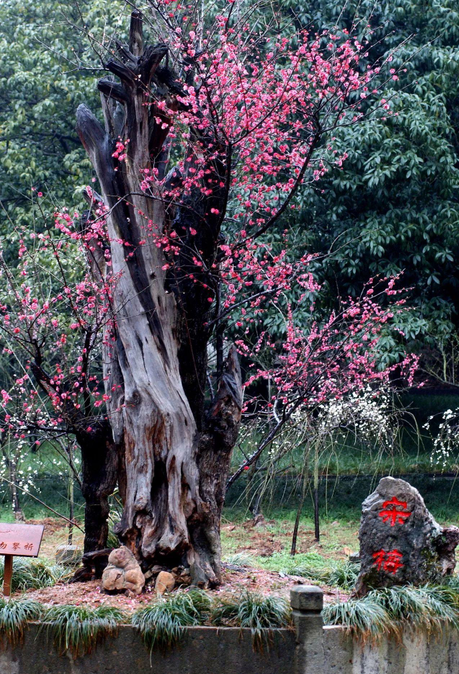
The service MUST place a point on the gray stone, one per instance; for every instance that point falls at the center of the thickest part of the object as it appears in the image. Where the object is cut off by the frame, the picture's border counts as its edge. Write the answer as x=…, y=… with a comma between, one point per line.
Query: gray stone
x=307, y=598
x=307, y=602
x=69, y=554
x=205, y=650
x=400, y=541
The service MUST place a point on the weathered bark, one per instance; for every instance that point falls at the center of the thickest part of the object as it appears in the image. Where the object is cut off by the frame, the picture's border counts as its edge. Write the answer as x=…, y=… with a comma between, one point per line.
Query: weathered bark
x=215, y=445
x=175, y=455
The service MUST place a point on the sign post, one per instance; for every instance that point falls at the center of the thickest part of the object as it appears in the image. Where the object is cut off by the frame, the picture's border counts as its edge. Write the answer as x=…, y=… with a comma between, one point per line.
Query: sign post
x=22, y=540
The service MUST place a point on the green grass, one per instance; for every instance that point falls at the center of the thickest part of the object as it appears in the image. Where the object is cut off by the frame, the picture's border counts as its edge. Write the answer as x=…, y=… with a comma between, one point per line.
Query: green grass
x=314, y=567
x=390, y=611
x=344, y=575
x=161, y=625
x=300, y=564
x=33, y=574
x=258, y=613
x=78, y=630
x=240, y=559
x=14, y=615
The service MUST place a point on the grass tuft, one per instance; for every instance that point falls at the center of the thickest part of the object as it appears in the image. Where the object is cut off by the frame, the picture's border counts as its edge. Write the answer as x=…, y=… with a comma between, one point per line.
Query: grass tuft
x=33, y=574
x=14, y=615
x=161, y=624
x=260, y=614
x=239, y=559
x=428, y=607
x=362, y=618
x=78, y=630
x=344, y=574
x=389, y=611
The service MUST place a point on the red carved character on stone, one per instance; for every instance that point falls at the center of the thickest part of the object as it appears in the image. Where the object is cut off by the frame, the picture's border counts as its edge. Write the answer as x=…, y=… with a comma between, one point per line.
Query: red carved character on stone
x=379, y=558
x=394, y=511
x=388, y=560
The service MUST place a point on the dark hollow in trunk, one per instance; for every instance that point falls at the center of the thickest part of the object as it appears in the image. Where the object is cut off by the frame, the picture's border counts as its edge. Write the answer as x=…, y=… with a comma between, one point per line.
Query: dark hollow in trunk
x=98, y=480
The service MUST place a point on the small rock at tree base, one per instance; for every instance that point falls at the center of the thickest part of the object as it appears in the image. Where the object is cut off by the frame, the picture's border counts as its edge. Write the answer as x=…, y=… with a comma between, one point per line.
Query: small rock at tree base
x=153, y=571
x=183, y=576
x=69, y=554
x=123, y=572
x=400, y=541
x=165, y=582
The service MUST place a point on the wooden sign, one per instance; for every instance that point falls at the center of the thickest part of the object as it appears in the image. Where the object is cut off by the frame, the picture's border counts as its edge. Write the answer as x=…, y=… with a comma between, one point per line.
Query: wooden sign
x=23, y=540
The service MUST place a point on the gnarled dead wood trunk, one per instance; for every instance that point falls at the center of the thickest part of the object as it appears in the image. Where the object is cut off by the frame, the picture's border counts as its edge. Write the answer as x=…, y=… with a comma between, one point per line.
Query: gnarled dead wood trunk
x=175, y=453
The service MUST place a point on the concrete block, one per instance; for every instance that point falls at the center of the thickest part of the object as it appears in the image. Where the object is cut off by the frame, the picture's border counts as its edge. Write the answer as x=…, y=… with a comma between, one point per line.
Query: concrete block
x=307, y=598
x=69, y=555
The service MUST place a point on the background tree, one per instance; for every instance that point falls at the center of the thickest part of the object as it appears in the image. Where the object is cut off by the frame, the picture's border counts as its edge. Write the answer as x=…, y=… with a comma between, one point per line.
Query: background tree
x=393, y=205
x=52, y=325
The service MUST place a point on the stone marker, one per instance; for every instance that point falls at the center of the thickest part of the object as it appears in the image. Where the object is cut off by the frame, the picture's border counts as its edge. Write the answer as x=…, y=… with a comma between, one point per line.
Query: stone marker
x=123, y=572
x=307, y=603
x=400, y=541
x=69, y=554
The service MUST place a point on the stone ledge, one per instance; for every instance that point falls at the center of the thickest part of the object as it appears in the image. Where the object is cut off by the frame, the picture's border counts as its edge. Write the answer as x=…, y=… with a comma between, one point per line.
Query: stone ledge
x=204, y=650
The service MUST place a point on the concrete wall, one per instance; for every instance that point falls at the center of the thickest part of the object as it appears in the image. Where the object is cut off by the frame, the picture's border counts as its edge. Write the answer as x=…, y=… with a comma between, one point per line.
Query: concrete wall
x=206, y=650
x=416, y=654
x=311, y=649
x=327, y=650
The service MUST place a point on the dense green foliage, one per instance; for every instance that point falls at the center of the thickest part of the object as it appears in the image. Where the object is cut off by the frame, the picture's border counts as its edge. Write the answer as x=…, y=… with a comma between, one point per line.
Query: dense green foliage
x=392, y=207
x=394, y=204
x=47, y=69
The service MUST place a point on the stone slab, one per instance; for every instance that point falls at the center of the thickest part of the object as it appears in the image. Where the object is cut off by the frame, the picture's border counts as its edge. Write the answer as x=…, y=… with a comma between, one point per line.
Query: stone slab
x=206, y=650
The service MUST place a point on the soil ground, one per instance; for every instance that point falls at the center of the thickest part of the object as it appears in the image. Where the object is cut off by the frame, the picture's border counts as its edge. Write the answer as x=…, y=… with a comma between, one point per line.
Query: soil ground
x=254, y=555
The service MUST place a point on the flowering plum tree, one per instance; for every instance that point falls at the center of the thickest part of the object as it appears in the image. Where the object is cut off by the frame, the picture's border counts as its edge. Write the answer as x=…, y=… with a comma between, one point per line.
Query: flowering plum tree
x=207, y=136
x=52, y=324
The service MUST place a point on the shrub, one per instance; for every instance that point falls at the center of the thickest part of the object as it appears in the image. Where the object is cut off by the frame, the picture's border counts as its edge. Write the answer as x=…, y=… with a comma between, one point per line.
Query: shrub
x=78, y=629
x=260, y=614
x=161, y=624
x=14, y=615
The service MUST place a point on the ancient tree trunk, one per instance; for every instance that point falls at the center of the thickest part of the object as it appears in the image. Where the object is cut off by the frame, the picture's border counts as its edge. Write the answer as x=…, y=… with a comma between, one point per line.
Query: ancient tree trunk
x=175, y=455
